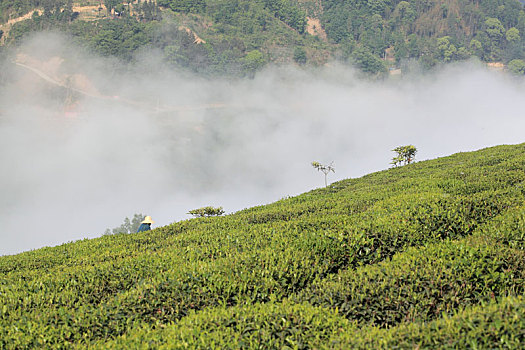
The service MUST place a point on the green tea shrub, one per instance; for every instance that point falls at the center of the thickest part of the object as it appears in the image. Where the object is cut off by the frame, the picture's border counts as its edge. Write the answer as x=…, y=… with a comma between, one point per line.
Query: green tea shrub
x=455, y=217
x=272, y=326
x=405, y=245
x=508, y=228
x=163, y=288
x=491, y=325
x=207, y=211
x=420, y=284
x=402, y=221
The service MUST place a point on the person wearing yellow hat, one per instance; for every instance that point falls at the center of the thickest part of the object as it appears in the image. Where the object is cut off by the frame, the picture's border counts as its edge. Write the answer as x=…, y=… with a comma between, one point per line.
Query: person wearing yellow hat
x=145, y=225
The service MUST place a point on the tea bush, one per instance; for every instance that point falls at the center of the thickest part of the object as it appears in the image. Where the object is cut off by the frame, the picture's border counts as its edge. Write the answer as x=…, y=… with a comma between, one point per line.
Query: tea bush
x=270, y=325
x=497, y=324
x=492, y=325
x=421, y=284
x=403, y=245
x=509, y=228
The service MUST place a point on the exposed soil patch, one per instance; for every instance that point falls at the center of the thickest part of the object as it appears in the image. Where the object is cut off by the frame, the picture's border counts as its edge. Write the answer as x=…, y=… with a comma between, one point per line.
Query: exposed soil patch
x=314, y=27
x=197, y=39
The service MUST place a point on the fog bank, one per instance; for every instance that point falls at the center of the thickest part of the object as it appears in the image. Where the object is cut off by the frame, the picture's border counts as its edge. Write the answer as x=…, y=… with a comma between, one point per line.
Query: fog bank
x=85, y=143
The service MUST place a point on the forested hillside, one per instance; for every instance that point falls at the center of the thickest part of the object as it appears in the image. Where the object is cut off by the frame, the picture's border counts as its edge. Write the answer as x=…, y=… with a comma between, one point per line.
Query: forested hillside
x=237, y=37
x=209, y=37
x=428, y=30
x=426, y=255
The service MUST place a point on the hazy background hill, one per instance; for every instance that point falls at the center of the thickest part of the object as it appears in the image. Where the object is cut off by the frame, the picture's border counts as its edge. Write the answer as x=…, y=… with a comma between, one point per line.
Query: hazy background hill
x=239, y=37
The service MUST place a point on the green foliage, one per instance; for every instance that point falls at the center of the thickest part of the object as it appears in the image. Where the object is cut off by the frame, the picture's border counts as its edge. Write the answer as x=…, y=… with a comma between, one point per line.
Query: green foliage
x=276, y=325
x=129, y=226
x=110, y=5
x=206, y=211
x=186, y=6
x=492, y=325
x=494, y=29
x=404, y=155
x=513, y=35
x=411, y=255
x=421, y=284
x=299, y=55
x=366, y=61
x=360, y=32
x=238, y=34
x=508, y=229
x=476, y=47
x=253, y=61
x=517, y=67
x=446, y=50
x=118, y=38
x=288, y=12
x=428, y=31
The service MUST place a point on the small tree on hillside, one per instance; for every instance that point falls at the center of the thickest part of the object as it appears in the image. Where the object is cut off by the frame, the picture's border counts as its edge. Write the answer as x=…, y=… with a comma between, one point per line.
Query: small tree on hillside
x=206, y=211
x=129, y=226
x=325, y=169
x=404, y=155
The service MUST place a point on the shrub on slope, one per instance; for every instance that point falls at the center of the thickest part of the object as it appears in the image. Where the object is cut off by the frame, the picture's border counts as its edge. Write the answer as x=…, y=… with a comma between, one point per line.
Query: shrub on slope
x=421, y=284
x=99, y=289
x=493, y=325
x=227, y=263
x=272, y=325
x=508, y=228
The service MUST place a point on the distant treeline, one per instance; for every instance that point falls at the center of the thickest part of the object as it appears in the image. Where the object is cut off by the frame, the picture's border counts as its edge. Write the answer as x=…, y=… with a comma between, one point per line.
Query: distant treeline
x=428, y=31
x=240, y=36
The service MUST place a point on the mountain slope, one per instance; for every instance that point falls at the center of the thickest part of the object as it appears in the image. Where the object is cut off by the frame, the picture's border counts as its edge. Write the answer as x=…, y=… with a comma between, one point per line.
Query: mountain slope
x=239, y=37
x=400, y=252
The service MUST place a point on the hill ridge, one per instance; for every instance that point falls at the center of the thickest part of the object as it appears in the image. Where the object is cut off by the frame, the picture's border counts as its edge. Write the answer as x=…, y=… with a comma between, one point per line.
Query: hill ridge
x=244, y=36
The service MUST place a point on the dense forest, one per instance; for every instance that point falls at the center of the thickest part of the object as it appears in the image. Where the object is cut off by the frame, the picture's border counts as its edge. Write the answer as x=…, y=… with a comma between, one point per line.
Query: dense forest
x=429, y=31
x=237, y=37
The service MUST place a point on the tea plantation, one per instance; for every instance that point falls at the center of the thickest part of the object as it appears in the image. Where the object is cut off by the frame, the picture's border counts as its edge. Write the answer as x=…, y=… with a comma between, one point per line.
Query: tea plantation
x=428, y=255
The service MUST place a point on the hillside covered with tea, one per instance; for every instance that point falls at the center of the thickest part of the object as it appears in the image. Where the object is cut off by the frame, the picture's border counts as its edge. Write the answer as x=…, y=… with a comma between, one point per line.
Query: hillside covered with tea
x=426, y=255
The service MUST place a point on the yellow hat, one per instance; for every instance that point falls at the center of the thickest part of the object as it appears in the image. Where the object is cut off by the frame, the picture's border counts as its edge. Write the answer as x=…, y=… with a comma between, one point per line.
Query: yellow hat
x=147, y=220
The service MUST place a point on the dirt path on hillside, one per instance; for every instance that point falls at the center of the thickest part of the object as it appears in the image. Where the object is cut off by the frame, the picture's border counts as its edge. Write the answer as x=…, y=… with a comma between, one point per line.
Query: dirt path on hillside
x=81, y=84
x=197, y=39
x=22, y=18
x=86, y=12
x=87, y=8
x=6, y=27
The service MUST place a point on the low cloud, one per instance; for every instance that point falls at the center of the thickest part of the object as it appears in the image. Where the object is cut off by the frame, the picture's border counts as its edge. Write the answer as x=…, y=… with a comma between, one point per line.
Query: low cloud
x=85, y=142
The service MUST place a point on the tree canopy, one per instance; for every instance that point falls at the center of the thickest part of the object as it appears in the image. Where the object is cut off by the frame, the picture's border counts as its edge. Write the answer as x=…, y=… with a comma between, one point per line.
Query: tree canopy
x=239, y=37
